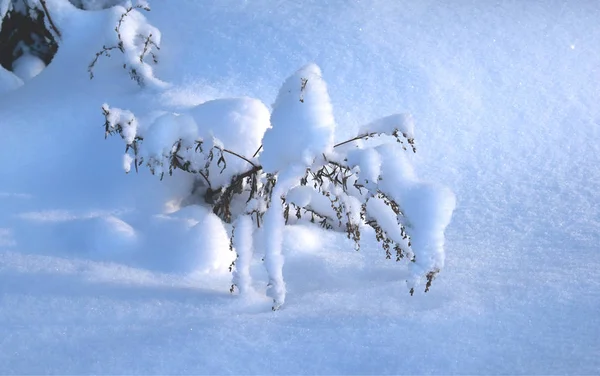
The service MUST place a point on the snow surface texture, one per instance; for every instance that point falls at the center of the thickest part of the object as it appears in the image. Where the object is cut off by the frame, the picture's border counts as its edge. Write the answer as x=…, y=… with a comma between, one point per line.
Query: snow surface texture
x=505, y=97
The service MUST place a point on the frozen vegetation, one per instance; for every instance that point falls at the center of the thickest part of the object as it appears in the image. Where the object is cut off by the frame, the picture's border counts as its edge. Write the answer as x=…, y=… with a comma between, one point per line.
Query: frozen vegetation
x=234, y=187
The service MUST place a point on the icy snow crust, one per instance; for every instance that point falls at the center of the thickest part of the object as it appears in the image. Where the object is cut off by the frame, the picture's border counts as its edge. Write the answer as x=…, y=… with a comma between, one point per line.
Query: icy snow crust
x=505, y=103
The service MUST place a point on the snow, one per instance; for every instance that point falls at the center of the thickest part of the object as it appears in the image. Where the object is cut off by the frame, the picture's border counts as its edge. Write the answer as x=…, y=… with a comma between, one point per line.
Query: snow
x=306, y=196
x=427, y=209
x=8, y=81
x=302, y=121
x=368, y=162
x=125, y=120
x=28, y=66
x=226, y=120
x=96, y=278
x=97, y=4
x=402, y=122
x=274, y=224
x=4, y=8
x=134, y=33
x=243, y=244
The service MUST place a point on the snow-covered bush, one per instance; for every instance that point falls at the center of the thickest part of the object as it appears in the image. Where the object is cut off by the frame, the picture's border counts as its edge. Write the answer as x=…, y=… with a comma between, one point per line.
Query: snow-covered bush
x=257, y=168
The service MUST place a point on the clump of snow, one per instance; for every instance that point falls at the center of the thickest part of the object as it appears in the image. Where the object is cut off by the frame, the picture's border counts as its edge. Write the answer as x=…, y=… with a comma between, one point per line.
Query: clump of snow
x=210, y=242
x=427, y=210
x=191, y=240
x=238, y=124
x=140, y=40
x=243, y=246
x=28, y=66
x=302, y=120
x=122, y=121
x=274, y=225
x=404, y=123
x=127, y=161
x=165, y=131
x=221, y=136
x=369, y=163
x=132, y=46
x=162, y=136
x=301, y=195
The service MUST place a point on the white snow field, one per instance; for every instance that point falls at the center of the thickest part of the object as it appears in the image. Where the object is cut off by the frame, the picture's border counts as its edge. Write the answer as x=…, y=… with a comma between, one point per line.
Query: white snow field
x=96, y=277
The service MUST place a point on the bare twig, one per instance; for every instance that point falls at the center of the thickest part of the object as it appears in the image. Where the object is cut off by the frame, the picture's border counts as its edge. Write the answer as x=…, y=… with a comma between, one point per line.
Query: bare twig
x=52, y=25
x=359, y=137
x=106, y=52
x=239, y=156
x=257, y=151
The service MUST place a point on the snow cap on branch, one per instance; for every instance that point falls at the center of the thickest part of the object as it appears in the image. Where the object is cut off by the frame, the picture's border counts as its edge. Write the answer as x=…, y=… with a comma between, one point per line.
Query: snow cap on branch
x=402, y=122
x=302, y=122
x=239, y=123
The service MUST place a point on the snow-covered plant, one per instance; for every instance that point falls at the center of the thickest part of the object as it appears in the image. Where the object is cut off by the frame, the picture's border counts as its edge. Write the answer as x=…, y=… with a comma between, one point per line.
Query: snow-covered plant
x=136, y=40
x=259, y=170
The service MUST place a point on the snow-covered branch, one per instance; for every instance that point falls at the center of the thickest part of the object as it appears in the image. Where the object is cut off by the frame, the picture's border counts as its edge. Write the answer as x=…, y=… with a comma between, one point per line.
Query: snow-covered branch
x=136, y=40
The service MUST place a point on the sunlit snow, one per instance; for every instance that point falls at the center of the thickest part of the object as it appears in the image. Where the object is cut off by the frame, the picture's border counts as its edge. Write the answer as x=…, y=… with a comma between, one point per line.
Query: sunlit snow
x=98, y=276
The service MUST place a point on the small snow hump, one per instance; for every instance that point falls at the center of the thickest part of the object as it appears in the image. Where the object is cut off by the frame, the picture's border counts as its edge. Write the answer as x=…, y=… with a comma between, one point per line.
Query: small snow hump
x=302, y=121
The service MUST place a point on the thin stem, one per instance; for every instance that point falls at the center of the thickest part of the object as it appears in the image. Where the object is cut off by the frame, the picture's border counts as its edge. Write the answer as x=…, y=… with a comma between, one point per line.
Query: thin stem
x=52, y=25
x=239, y=156
x=257, y=151
x=354, y=139
x=205, y=178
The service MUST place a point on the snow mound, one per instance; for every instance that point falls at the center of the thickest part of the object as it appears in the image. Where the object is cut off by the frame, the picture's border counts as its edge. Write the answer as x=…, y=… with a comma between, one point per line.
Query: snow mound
x=103, y=237
x=302, y=120
x=192, y=240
